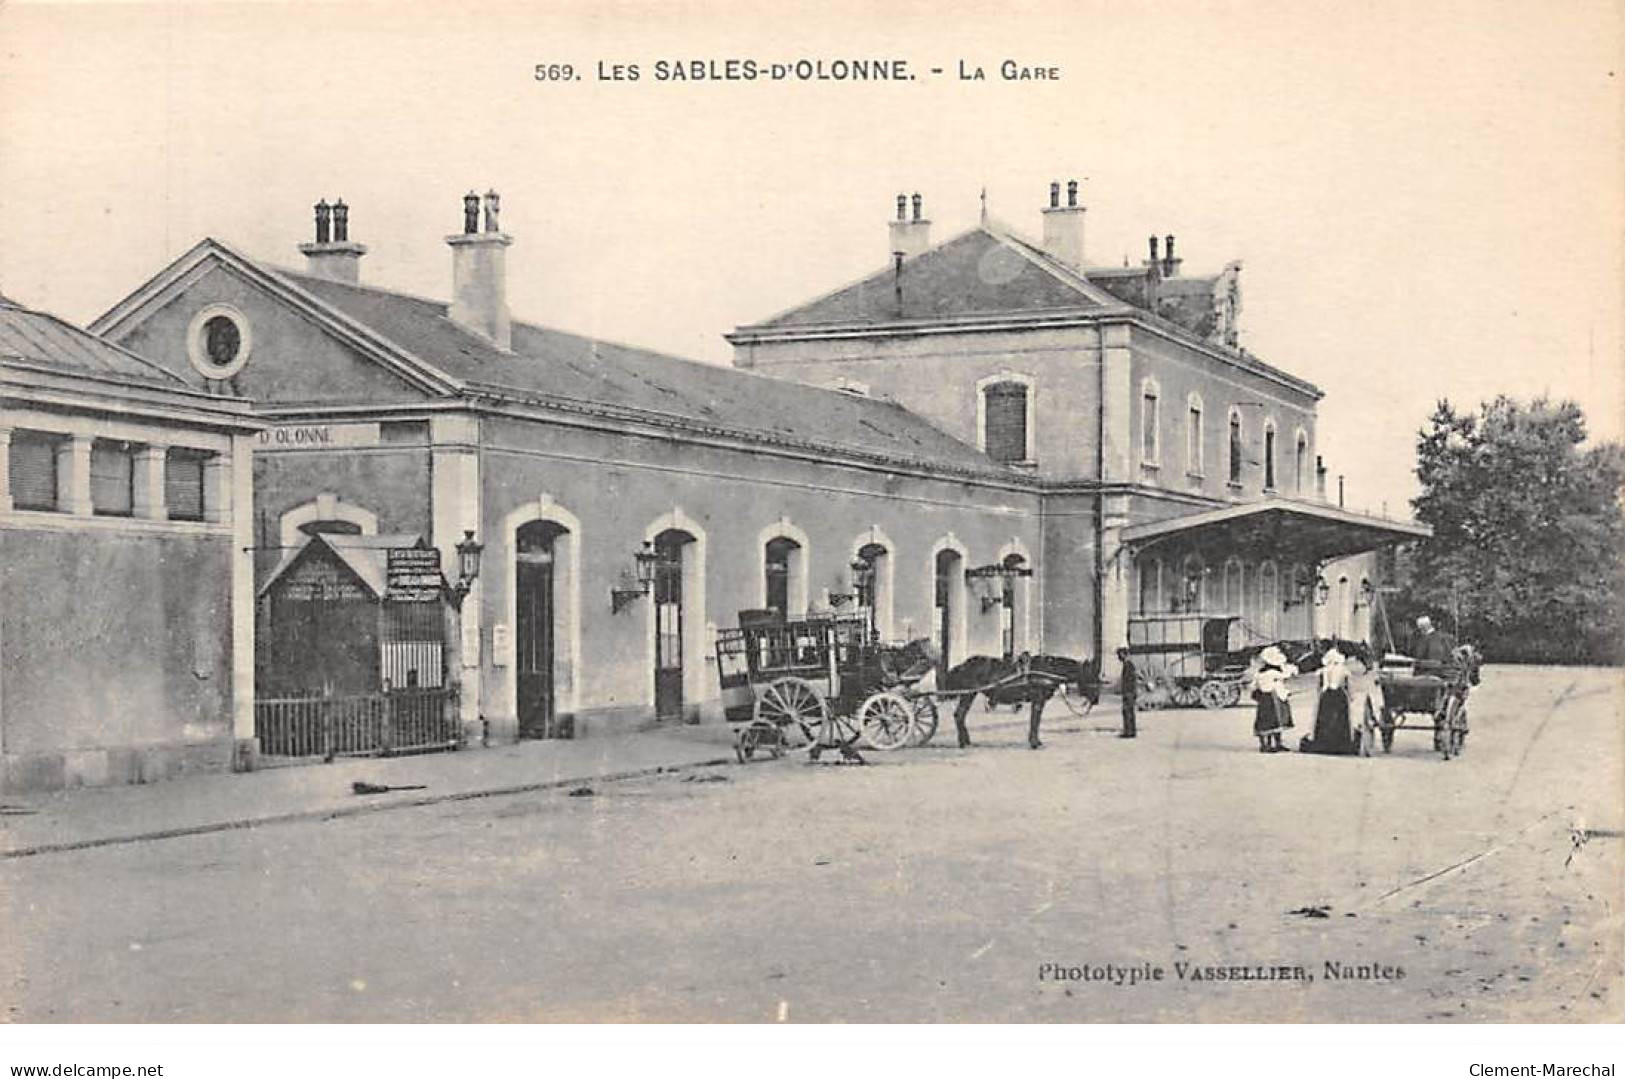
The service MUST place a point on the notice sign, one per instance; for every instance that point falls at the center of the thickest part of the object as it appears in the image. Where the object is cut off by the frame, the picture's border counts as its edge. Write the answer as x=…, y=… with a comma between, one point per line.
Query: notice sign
x=413, y=575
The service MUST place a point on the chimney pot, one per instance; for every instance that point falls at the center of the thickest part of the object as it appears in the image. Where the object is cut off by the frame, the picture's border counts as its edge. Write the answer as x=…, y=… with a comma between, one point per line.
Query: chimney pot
x=479, y=273
x=333, y=257
x=1055, y=195
x=909, y=236
x=1154, y=249
x=1071, y=193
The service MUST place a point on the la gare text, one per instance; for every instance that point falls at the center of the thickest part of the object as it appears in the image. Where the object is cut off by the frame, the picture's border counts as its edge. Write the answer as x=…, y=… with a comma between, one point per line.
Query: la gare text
x=802, y=70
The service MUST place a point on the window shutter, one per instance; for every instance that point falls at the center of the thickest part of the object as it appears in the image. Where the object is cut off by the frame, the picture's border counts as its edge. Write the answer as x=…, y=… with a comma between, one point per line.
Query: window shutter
x=1006, y=417
x=112, y=478
x=33, y=470
x=183, y=485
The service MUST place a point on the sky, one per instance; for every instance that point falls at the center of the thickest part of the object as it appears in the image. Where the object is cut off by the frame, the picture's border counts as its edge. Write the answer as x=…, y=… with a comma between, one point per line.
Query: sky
x=1427, y=197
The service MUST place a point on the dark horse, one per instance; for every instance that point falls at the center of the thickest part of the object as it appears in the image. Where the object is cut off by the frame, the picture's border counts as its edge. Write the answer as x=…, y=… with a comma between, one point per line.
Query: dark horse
x=1027, y=679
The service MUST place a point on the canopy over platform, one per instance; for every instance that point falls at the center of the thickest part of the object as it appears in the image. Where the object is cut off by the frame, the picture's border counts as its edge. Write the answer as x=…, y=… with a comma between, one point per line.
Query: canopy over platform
x=1277, y=528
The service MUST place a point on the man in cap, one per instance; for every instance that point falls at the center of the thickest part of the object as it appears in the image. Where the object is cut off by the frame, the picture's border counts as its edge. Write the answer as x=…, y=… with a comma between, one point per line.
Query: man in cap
x=1128, y=688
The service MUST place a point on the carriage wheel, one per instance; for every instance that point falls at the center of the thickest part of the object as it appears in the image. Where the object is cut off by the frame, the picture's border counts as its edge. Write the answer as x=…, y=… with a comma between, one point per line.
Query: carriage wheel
x=1232, y=696
x=1215, y=695
x=745, y=743
x=792, y=703
x=843, y=729
x=1449, y=726
x=1187, y=696
x=1368, y=731
x=925, y=721
x=887, y=721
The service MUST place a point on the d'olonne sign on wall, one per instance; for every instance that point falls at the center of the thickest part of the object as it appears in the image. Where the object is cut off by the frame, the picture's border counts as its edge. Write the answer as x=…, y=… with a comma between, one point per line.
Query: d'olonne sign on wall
x=317, y=436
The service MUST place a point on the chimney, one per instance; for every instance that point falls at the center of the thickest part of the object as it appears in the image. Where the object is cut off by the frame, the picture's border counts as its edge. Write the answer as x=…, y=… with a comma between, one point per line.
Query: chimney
x=1170, y=265
x=1063, y=226
x=333, y=257
x=910, y=236
x=479, y=277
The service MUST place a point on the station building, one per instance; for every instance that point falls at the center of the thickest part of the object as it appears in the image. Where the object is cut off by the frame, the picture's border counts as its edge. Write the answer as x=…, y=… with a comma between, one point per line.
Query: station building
x=126, y=589
x=985, y=442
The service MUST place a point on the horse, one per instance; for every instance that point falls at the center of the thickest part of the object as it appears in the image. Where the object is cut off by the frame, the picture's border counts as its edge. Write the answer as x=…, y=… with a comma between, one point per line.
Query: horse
x=1027, y=679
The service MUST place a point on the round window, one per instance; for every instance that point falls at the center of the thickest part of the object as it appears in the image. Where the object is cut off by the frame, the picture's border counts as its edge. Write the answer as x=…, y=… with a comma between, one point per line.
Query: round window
x=218, y=342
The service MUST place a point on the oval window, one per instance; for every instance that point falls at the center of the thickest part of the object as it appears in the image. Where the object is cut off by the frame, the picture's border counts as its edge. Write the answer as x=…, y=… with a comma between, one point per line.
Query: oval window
x=219, y=341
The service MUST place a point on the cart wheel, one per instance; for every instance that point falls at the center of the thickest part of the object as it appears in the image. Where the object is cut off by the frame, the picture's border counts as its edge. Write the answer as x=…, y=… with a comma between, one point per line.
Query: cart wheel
x=792, y=703
x=1186, y=696
x=1368, y=731
x=745, y=743
x=1233, y=696
x=887, y=721
x=843, y=729
x=925, y=721
x=1215, y=695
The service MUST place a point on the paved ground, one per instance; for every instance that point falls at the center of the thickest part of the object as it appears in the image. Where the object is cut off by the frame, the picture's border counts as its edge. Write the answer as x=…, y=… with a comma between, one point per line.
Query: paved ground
x=930, y=886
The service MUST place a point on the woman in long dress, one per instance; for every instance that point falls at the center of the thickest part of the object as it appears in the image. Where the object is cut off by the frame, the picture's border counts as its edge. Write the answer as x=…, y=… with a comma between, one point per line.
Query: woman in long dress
x=1332, y=731
x=1274, y=712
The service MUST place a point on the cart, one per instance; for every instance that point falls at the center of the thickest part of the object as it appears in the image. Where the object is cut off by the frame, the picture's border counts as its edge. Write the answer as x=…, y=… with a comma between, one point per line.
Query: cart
x=1198, y=659
x=821, y=682
x=1408, y=695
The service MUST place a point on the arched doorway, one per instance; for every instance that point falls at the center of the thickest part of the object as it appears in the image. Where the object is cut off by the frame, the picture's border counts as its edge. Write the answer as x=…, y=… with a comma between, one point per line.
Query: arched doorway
x=536, y=628
x=671, y=547
x=871, y=582
x=949, y=605
x=783, y=567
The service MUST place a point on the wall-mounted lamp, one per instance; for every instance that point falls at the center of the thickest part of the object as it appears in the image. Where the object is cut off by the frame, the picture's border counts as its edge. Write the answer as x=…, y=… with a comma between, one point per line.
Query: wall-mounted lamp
x=863, y=572
x=1365, y=594
x=645, y=559
x=1323, y=591
x=468, y=569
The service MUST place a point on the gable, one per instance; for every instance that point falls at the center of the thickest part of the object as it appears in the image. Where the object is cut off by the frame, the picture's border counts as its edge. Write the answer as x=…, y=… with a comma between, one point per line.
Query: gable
x=292, y=356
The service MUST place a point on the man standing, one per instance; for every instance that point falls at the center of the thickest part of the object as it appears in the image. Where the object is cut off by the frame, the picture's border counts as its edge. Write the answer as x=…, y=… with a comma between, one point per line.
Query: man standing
x=1128, y=688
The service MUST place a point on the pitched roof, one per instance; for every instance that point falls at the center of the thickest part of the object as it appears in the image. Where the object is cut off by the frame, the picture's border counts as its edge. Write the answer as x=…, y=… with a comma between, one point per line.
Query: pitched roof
x=45, y=340
x=550, y=366
x=366, y=556
x=984, y=271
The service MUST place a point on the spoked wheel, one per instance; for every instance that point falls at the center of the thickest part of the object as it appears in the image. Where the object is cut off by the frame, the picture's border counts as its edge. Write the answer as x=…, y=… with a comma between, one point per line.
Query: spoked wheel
x=925, y=721
x=1187, y=695
x=1450, y=724
x=1216, y=695
x=1368, y=731
x=887, y=721
x=792, y=704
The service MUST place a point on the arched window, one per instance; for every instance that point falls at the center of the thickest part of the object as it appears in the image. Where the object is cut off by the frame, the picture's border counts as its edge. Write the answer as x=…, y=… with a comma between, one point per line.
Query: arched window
x=1300, y=462
x=1005, y=429
x=1269, y=455
x=1150, y=586
x=1193, y=435
x=1232, y=586
x=1150, y=422
x=1269, y=600
x=1235, y=446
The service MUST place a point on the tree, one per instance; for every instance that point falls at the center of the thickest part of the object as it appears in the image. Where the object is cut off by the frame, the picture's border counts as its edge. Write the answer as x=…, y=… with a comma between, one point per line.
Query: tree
x=1527, y=532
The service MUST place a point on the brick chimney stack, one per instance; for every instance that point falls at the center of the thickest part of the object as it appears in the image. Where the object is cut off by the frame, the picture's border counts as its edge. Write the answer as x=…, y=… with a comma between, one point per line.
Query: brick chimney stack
x=910, y=236
x=1063, y=226
x=333, y=257
x=479, y=273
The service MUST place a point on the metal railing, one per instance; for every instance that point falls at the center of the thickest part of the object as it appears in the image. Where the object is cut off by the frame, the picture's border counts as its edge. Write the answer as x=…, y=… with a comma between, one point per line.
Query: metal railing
x=374, y=724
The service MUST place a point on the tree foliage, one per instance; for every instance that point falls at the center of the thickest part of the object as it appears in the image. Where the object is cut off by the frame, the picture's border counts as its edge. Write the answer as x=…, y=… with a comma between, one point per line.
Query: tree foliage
x=1527, y=531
